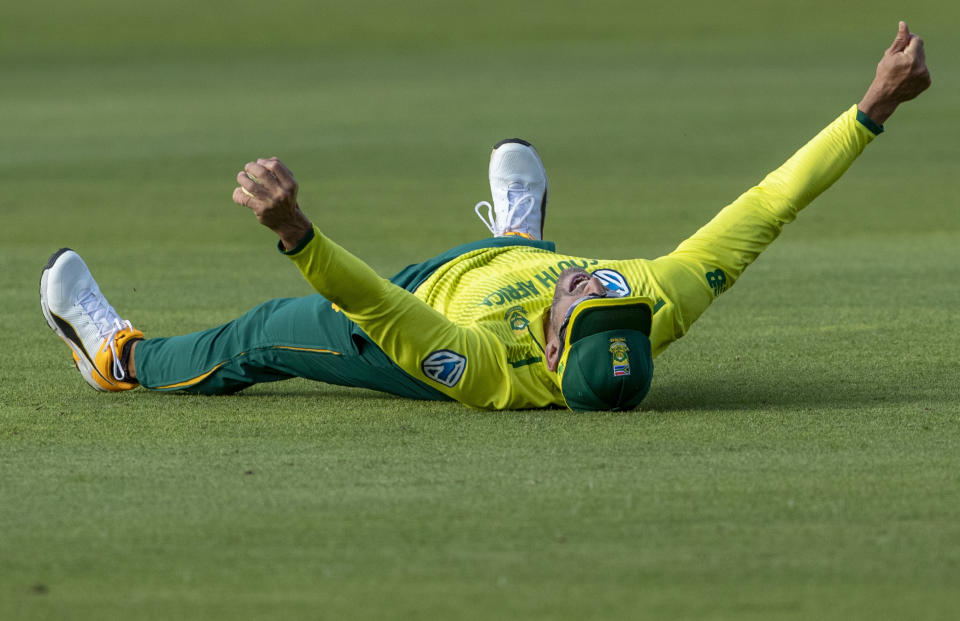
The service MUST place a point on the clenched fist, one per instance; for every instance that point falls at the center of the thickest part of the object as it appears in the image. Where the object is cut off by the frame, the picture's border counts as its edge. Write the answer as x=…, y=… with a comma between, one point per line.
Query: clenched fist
x=268, y=188
x=902, y=74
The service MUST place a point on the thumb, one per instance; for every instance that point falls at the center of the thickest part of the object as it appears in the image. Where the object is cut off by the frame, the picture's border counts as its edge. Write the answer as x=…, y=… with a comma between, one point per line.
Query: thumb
x=902, y=38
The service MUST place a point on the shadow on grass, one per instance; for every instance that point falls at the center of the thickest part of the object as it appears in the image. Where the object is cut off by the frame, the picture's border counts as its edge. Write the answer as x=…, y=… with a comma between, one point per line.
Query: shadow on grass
x=719, y=391
x=734, y=393
x=295, y=389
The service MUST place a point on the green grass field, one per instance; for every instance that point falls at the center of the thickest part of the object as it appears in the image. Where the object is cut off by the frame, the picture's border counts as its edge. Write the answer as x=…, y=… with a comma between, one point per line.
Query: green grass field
x=797, y=458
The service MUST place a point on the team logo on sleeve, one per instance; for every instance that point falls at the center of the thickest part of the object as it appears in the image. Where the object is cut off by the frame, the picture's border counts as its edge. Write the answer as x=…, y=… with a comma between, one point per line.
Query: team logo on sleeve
x=444, y=367
x=614, y=281
x=618, y=354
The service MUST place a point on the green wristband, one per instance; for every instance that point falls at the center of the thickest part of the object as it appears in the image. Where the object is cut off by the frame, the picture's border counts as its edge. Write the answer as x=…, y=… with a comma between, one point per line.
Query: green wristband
x=867, y=122
x=300, y=244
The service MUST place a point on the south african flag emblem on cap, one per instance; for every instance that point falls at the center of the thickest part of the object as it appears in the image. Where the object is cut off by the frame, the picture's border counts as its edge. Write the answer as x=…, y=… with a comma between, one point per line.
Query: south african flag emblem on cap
x=619, y=357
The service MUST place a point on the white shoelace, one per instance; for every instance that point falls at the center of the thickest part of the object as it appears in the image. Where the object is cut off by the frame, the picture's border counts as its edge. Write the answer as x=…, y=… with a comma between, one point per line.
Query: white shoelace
x=489, y=220
x=517, y=198
x=108, y=323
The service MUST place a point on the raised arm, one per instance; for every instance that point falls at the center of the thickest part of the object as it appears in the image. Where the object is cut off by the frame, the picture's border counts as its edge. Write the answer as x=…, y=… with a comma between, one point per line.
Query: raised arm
x=711, y=260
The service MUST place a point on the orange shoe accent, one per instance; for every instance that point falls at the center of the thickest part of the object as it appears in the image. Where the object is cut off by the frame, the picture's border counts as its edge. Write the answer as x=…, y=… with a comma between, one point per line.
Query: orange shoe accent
x=518, y=234
x=103, y=361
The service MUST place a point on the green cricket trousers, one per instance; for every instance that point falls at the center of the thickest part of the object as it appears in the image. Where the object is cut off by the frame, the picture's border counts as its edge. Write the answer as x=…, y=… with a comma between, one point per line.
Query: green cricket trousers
x=276, y=340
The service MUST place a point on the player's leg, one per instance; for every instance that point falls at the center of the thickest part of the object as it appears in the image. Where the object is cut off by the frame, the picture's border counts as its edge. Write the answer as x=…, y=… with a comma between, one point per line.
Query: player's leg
x=302, y=337
x=279, y=339
x=518, y=184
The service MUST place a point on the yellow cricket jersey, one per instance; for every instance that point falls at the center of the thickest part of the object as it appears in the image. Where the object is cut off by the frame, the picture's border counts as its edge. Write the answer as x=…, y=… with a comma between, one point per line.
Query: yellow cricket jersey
x=474, y=329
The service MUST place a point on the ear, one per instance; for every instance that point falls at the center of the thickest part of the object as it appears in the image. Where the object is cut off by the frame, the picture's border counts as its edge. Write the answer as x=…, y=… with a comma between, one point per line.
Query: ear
x=552, y=353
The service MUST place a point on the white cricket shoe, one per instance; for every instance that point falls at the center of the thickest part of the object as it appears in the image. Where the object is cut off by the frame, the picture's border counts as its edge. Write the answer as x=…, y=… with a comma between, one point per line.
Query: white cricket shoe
x=76, y=310
x=518, y=183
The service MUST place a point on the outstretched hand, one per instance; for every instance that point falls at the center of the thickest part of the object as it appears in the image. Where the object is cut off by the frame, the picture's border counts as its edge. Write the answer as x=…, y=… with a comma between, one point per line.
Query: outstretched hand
x=268, y=188
x=902, y=74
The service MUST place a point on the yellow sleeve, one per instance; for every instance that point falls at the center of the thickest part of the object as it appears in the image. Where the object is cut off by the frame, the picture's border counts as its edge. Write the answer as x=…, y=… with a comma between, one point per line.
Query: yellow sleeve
x=467, y=363
x=709, y=262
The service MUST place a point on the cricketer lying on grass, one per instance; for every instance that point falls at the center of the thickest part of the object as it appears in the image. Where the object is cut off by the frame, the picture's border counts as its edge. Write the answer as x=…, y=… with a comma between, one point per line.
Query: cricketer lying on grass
x=501, y=323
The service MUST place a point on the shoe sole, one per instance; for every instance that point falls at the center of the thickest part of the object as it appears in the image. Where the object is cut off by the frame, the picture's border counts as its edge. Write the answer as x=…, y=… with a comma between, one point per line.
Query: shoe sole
x=65, y=331
x=546, y=184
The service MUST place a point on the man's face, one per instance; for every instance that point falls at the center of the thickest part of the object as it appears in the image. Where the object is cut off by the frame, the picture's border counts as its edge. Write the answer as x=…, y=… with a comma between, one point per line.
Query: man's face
x=573, y=285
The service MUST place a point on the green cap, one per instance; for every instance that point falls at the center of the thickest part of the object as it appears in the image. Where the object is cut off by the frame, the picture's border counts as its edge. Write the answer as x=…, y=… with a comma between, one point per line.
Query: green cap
x=607, y=363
